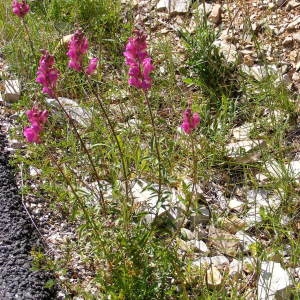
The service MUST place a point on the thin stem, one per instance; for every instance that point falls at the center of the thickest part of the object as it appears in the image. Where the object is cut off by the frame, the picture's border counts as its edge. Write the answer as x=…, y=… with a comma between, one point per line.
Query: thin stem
x=159, y=165
x=82, y=205
x=85, y=150
x=29, y=40
x=156, y=148
x=195, y=169
x=118, y=145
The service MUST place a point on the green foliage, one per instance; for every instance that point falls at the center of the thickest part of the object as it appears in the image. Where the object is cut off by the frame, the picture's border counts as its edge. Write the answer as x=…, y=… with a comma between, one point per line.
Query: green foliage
x=143, y=267
x=101, y=18
x=126, y=258
x=209, y=69
x=216, y=78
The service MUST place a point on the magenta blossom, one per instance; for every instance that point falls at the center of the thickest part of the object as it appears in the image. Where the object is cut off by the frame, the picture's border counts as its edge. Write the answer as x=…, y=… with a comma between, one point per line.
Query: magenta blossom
x=78, y=46
x=37, y=118
x=190, y=121
x=32, y=134
x=91, y=68
x=20, y=8
x=139, y=62
x=47, y=75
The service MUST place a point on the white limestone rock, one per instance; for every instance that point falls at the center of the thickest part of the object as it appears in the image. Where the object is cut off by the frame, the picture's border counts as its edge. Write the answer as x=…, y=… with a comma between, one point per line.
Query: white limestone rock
x=242, y=132
x=199, y=246
x=258, y=199
x=174, y=6
x=245, y=240
x=273, y=282
x=261, y=177
x=259, y=72
x=229, y=50
x=235, y=268
x=294, y=23
x=215, y=15
x=201, y=216
x=213, y=277
x=91, y=192
x=204, y=8
x=186, y=234
x=223, y=241
x=81, y=115
x=249, y=264
x=252, y=217
x=146, y=198
x=12, y=90
x=219, y=261
x=261, y=198
x=238, y=149
x=236, y=204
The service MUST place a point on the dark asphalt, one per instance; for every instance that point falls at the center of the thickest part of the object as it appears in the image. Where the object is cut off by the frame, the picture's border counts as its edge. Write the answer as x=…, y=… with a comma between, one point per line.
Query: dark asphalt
x=17, y=239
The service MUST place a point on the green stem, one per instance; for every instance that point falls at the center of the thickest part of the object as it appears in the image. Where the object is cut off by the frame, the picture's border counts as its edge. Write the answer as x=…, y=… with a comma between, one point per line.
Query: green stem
x=86, y=152
x=29, y=40
x=82, y=205
x=159, y=165
x=156, y=148
x=112, y=129
x=194, y=176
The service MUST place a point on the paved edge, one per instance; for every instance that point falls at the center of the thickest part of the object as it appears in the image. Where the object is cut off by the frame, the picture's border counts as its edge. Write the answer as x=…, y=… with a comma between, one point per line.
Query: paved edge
x=17, y=238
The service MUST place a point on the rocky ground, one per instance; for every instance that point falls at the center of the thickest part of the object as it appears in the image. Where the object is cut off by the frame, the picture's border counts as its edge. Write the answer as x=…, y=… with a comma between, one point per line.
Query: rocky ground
x=18, y=238
x=276, y=26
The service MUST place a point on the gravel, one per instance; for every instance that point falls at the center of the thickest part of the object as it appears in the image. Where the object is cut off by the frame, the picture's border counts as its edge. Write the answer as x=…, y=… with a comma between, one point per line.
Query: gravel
x=17, y=238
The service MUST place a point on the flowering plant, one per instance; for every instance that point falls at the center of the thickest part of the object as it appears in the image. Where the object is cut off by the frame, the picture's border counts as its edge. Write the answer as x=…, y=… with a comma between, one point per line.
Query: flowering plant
x=47, y=75
x=78, y=47
x=190, y=121
x=37, y=118
x=139, y=62
x=20, y=8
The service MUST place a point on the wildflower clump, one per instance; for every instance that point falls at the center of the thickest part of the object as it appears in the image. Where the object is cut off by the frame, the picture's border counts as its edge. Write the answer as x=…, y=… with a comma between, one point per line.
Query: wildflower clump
x=37, y=118
x=47, y=75
x=20, y=9
x=190, y=121
x=78, y=47
x=139, y=62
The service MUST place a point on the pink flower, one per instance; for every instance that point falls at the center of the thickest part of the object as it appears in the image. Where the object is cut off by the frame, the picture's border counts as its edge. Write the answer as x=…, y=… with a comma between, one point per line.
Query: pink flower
x=78, y=46
x=20, y=8
x=37, y=118
x=190, y=121
x=32, y=134
x=139, y=62
x=92, y=66
x=47, y=75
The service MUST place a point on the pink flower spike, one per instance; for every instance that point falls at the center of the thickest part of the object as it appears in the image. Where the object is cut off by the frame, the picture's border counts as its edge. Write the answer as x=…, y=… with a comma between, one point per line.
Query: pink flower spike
x=190, y=121
x=32, y=134
x=47, y=74
x=139, y=62
x=20, y=9
x=78, y=46
x=93, y=64
x=37, y=118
